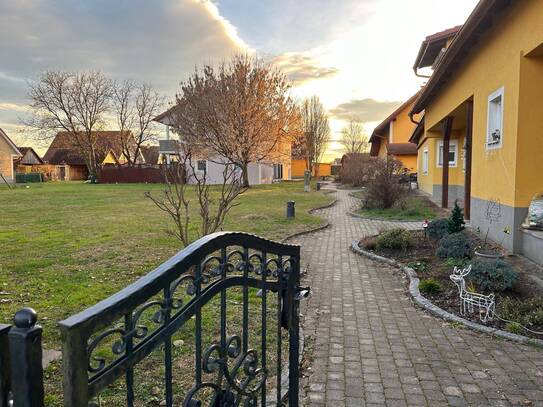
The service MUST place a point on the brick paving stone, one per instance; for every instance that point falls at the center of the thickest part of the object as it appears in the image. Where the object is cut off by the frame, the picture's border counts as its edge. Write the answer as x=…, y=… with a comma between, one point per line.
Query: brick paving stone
x=373, y=347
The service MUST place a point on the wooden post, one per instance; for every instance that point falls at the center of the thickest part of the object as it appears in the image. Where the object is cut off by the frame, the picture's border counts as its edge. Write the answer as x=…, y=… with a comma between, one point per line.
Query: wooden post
x=467, y=179
x=447, y=127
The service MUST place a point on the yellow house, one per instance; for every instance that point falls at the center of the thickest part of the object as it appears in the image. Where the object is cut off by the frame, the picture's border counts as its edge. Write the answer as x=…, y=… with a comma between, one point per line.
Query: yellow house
x=483, y=114
x=391, y=136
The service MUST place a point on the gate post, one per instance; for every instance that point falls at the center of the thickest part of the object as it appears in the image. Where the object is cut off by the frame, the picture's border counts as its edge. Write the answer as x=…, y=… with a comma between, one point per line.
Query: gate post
x=26, y=360
x=294, y=333
x=4, y=365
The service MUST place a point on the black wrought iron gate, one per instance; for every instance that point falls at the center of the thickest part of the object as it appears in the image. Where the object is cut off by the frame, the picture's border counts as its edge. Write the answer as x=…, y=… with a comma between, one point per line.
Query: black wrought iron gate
x=250, y=357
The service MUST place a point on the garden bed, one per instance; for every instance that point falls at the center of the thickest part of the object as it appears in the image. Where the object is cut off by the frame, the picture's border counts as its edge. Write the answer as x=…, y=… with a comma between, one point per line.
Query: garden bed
x=416, y=207
x=517, y=304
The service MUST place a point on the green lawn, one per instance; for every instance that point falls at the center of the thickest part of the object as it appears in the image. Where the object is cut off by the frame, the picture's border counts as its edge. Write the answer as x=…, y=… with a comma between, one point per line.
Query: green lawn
x=413, y=209
x=66, y=246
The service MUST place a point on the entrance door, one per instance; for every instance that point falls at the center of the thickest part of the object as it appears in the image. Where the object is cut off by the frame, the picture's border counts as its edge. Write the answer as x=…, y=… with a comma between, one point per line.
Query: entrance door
x=62, y=173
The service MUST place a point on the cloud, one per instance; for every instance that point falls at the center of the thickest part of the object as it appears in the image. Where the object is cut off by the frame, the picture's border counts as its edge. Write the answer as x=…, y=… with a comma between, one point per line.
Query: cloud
x=364, y=110
x=300, y=67
x=13, y=107
x=159, y=41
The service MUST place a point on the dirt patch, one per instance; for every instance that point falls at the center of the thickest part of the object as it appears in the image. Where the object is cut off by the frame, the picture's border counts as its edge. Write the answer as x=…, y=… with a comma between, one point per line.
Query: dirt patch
x=421, y=257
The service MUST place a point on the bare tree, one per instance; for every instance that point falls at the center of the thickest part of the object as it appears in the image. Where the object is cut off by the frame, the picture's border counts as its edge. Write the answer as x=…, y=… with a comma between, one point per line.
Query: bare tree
x=135, y=106
x=240, y=111
x=213, y=205
x=316, y=131
x=354, y=138
x=72, y=102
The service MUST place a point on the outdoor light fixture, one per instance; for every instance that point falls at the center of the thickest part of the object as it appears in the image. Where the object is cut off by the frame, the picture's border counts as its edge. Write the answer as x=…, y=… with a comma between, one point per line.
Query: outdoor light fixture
x=425, y=227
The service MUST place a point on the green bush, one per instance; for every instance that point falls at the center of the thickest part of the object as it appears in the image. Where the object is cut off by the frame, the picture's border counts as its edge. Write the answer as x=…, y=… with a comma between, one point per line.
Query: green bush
x=456, y=220
x=396, y=239
x=493, y=275
x=438, y=228
x=456, y=246
x=528, y=312
x=429, y=286
x=513, y=327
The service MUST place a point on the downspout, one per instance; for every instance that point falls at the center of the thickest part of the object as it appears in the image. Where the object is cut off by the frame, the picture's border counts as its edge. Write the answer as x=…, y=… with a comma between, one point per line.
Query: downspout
x=411, y=114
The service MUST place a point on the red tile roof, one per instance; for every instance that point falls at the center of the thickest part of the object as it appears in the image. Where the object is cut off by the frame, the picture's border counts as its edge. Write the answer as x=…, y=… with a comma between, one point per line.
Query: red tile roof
x=483, y=17
x=432, y=45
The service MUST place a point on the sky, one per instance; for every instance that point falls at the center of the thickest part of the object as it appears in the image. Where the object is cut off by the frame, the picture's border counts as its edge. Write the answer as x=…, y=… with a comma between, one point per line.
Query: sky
x=356, y=55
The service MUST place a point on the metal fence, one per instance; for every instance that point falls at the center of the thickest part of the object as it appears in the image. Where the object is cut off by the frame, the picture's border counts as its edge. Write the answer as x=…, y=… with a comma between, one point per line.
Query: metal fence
x=104, y=343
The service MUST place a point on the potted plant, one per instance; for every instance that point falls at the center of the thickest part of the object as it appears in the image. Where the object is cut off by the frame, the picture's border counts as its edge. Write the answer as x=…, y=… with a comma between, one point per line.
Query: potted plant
x=490, y=250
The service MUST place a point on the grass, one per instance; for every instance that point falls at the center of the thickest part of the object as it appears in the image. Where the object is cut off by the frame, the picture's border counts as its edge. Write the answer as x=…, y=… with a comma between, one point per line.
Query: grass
x=414, y=208
x=66, y=246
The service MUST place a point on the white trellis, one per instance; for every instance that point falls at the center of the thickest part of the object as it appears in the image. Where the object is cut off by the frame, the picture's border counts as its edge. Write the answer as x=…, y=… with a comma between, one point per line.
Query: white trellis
x=470, y=300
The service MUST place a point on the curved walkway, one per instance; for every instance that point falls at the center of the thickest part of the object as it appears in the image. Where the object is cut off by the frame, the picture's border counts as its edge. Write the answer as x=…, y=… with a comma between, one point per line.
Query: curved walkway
x=369, y=346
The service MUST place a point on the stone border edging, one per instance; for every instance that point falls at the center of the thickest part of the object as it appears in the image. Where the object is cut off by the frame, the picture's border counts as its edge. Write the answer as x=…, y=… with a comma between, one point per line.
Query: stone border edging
x=423, y=302
x=316, y=228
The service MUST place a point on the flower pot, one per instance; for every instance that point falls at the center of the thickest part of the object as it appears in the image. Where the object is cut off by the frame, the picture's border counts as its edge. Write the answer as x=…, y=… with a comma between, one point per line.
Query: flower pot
x=489, y=254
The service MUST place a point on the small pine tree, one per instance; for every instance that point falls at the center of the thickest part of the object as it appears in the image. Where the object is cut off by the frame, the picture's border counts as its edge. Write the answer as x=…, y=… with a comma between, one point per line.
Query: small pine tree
x=456, y=220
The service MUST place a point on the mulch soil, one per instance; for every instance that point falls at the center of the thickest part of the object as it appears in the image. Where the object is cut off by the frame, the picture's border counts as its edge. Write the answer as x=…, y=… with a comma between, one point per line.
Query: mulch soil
x=423, y=250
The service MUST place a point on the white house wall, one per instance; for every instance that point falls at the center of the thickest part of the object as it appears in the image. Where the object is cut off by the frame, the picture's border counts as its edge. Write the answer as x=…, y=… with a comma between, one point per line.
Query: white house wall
x=259, y=173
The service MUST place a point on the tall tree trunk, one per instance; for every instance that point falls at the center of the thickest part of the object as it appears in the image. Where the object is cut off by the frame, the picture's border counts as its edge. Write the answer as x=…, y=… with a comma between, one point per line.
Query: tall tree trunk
x=245, y=175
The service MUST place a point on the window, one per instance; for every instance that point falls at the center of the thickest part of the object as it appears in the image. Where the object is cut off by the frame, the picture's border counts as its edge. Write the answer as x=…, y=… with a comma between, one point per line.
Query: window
x=494, y=130
x=425, y=161
x=453, y=153
x=278, y=171
x=201, y=165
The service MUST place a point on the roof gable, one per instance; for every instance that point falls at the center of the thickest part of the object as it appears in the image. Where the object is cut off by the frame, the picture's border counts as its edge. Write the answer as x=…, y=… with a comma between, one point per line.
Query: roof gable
x=10, y=143
x=482, y=18
x=432, y=45
x=64, y=150
x=384, y=124
x=29, y=156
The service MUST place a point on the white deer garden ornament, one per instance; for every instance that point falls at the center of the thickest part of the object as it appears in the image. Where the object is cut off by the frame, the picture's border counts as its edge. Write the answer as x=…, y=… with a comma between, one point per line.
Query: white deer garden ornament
x=470, y=300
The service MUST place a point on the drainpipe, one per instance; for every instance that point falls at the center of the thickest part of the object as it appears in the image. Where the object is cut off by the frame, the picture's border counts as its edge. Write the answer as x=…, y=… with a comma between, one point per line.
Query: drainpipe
x=413, y=120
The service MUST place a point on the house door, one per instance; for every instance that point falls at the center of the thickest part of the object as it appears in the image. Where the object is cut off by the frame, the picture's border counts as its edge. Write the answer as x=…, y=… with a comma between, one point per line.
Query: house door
x=62, y=173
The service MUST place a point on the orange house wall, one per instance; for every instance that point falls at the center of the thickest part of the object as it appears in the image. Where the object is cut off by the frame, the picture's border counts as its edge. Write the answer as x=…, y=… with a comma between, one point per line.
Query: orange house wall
x=298, y=169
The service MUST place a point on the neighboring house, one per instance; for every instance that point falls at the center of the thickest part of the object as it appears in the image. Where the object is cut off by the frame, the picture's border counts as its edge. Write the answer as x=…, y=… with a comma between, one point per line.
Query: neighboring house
x=8, y=153
x=276, y=167
x=70, y=161
x=28, y=160
x=481, y=138
x=351, y=157
x=299, y=168
x=150, y=154
x=391, y=137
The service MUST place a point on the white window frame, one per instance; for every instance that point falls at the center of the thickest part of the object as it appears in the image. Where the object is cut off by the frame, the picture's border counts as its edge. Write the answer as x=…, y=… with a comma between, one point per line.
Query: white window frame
x=198, y=165
x=489, y=143
x=438, y=155
x=425, y=161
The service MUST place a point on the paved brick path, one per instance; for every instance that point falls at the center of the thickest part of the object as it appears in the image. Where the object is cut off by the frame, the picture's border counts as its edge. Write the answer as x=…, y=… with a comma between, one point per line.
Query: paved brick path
x=371, y=347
